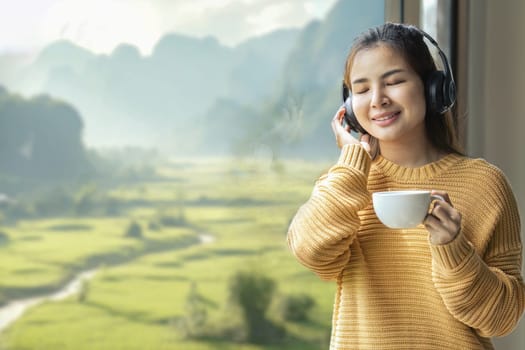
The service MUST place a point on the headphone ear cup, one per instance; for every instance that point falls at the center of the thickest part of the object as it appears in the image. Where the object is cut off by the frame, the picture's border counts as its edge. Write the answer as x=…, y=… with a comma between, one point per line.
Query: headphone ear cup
x=350, y=117
x=349, y=113
x=449, y=93
x=434, y=89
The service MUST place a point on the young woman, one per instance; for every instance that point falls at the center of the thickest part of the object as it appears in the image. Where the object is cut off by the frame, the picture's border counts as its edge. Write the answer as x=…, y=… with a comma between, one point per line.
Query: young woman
x=451, y=283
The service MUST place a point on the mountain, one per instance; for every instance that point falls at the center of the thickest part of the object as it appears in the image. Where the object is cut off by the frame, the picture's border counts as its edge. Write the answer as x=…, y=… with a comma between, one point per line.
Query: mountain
x=319, y=57
x=309, y=89
x=195, y=96
x=260, y=65
x=295, y=119
x=129, y=99
x=318, y=78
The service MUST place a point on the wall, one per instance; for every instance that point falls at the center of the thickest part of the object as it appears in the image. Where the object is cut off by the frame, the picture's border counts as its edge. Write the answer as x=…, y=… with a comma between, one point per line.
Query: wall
x=496, y=96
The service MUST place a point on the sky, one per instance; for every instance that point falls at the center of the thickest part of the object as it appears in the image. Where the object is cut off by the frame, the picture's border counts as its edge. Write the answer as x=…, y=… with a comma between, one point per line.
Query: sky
x=100, y=25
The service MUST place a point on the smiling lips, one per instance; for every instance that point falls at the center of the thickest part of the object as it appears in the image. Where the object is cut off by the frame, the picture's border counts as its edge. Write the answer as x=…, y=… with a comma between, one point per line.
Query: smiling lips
x=385, y=119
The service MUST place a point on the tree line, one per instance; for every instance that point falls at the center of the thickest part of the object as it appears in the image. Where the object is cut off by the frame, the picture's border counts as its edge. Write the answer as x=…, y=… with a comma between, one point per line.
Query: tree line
x=40, y=141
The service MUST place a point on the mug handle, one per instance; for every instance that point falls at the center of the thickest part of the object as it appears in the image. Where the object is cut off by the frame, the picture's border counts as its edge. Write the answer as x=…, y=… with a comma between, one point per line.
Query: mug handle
x=437, y=197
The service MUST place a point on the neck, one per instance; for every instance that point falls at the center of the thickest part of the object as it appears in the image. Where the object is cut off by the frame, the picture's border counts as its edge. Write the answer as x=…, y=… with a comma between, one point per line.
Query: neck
x=410, y=154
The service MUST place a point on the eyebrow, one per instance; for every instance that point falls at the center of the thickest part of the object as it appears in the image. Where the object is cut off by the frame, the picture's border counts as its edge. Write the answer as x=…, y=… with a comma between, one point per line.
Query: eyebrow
x=383, y=76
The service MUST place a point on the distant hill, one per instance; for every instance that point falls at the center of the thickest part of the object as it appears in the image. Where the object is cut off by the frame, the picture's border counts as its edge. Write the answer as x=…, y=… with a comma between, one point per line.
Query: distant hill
x=196, y=96
x=126, y=98
x=295, y=121
x=314, y=70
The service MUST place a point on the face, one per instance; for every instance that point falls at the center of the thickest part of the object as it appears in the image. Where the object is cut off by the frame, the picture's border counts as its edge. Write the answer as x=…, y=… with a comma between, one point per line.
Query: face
x=387, y=96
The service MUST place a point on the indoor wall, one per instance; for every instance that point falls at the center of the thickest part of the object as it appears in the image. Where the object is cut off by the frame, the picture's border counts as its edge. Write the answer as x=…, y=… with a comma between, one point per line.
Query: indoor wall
x=496, y=93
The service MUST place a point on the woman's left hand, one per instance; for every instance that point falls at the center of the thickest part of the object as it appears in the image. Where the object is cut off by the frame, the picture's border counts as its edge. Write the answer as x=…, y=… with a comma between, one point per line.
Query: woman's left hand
x=444, y=221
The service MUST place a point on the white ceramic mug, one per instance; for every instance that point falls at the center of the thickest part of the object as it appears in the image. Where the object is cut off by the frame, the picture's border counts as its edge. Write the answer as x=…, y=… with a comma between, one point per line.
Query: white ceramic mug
x=403, y=209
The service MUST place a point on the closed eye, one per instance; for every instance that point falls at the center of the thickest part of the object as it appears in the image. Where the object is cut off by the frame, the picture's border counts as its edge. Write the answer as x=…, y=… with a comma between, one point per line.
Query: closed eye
x=360, y=91
x=395, y=82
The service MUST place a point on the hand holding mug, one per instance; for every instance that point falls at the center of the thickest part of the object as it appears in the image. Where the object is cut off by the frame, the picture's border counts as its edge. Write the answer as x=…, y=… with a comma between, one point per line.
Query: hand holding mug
x=444, y=221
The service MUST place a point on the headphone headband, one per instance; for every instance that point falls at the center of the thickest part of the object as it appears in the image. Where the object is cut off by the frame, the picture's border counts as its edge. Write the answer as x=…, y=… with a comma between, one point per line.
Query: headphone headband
x=446, y=65
x=447, y=88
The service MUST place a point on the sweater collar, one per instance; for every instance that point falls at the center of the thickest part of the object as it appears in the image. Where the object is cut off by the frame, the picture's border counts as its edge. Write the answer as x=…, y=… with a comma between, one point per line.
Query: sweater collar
x=424, y=172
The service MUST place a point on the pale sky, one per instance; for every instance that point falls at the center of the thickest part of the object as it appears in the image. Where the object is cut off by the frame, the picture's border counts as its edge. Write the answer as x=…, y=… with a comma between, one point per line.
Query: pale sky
x=100, y=25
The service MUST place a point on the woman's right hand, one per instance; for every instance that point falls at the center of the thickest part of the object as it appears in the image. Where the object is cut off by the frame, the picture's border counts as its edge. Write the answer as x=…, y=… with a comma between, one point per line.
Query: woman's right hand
x=343, y=135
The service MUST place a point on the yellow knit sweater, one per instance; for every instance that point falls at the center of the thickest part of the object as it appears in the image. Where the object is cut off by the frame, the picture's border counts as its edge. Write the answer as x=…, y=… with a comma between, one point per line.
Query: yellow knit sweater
x=395, y=289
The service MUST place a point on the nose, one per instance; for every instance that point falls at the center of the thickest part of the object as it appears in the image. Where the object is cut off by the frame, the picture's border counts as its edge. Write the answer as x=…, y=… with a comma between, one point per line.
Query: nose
x=379, y=98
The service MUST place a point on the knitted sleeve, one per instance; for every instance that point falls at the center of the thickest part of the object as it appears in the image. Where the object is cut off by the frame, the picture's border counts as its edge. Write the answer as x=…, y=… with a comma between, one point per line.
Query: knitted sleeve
x=486, y=293
x=323, y=228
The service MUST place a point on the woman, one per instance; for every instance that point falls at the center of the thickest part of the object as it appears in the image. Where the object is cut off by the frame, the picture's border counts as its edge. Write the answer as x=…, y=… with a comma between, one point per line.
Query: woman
x=453, y=282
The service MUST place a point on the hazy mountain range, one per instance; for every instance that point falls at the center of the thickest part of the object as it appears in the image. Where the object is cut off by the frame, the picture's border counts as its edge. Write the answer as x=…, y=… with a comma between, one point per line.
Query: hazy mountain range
x=195, y=96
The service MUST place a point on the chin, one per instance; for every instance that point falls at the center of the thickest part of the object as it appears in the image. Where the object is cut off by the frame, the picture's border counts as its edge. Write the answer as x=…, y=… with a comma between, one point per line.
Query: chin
x=384, y=135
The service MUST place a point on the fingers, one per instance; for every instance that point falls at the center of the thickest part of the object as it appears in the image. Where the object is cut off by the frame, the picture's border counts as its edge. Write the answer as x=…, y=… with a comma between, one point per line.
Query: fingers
x=444, y=221
x=446, y=214
x=337, y=120
x=442, y=194
x=444, y=210
x=342, y=133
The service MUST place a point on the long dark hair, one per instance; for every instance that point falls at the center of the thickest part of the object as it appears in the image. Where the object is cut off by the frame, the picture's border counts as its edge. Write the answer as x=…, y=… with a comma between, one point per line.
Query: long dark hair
x=409, y=42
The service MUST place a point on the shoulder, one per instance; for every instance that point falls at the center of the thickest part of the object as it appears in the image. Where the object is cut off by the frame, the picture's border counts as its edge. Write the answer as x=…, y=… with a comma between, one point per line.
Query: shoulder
x=480, y=168
x=481, y=175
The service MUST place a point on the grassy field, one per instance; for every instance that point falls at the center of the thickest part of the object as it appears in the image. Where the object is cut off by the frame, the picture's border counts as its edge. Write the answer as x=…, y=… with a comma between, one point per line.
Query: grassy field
x=135, y=300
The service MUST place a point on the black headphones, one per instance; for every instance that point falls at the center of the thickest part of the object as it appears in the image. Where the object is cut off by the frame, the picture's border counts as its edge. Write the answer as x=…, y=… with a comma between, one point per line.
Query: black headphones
x=440, y=90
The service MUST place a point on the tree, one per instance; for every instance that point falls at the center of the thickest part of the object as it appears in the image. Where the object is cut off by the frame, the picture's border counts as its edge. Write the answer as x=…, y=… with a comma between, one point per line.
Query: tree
x=134, y=230
x=194, y=323
x=296, y=307
x=41, y=138
x=253, y=293
x=4, y=238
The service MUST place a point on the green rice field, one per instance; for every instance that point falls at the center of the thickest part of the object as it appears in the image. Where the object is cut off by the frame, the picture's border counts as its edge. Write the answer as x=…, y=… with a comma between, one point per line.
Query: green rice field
x=232, y=216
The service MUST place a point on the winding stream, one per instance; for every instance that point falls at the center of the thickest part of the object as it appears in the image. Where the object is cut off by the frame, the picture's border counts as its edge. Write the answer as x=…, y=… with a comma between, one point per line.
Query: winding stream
x=16, y=308
x=13, y=310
